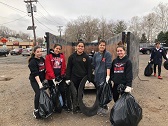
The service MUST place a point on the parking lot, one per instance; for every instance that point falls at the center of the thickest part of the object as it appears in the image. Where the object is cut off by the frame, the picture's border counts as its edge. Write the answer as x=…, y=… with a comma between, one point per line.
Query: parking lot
x=16, y=98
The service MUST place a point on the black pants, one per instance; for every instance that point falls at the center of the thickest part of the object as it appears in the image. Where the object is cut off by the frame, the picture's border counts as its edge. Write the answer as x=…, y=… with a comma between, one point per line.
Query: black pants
x=74, y=90
x=159, y=69
x=36, y=89
x=115, y=93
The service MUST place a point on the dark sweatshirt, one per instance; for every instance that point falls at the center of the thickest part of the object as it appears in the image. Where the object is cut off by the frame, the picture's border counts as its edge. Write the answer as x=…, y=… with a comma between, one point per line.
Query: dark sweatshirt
x=121, y=71
x=78, y=66
x=37, y=68
x=156, y=56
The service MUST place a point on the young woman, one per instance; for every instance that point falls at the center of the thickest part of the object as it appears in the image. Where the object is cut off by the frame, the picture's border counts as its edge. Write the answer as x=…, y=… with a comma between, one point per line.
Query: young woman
x=156, y=57
x=55, y=69
x=37, y=76
x=121, y=72
x=78, y=67
x=101, y=62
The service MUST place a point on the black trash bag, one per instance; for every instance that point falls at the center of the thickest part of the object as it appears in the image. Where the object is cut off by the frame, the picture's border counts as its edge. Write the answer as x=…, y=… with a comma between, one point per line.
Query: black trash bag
x=165, y=64
x=56, y=99
x=45, y=104
x=149, y=69
x=126, y=111
x=105, y=93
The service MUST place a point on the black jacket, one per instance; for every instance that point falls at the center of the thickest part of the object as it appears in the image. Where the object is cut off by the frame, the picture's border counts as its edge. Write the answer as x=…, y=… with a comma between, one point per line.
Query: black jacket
x=37, y=68
x=121, y=71
x=78, y=66
x=156, y=56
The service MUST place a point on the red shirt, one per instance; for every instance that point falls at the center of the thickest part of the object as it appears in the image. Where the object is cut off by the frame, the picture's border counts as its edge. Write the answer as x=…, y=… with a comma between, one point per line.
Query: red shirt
x=51, y=64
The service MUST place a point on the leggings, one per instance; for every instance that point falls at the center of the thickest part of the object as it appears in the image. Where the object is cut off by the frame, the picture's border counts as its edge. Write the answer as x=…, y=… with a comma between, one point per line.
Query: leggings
x=159, y=69
x=36, y=89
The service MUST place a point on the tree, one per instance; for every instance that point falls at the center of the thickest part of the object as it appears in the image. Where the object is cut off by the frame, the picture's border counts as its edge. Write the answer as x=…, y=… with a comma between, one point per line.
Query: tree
x=161, y=37
x=143, y=38
x=119, y=27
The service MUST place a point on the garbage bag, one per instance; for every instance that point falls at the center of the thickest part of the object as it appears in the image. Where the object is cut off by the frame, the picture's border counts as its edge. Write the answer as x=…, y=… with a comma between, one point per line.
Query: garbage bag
x=165, y=64
x=105, y=93
x=45, y=104
x=126, y=111
x=149, y=69
x=56, y=99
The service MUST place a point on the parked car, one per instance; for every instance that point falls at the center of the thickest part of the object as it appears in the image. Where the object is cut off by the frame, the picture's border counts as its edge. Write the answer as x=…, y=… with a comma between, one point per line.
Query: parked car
x=43, y=49
x=4, y=52
x=146, y=50
x=27, y=52
x=16, y=51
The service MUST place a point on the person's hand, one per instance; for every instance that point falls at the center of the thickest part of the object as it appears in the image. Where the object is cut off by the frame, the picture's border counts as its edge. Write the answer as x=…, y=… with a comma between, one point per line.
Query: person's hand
x=68, y=82
x=107, y=78
x=55, y=83
x=128, y=89
x=40, y=85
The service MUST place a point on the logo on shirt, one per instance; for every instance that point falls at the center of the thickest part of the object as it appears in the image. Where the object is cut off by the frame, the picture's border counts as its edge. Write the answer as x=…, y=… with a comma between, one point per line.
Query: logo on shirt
x=57, y=62
x=103, y=59
x=119, y=68
x=84, y=59
x=41, y=66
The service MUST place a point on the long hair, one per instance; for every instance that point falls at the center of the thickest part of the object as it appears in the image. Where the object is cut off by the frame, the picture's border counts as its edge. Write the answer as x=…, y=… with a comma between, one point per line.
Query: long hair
x=33, y=52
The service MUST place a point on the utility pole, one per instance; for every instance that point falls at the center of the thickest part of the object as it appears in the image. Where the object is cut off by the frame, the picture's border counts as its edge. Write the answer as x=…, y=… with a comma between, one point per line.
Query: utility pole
x=31, y=9
x=59, y=30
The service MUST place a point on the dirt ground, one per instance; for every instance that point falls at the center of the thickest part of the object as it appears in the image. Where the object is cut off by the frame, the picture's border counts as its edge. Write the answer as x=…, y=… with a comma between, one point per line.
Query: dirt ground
x=16, y=98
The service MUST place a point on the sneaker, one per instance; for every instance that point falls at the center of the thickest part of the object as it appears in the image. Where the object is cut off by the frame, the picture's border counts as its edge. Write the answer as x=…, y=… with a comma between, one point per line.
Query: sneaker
x=36, y=114
x=155, y=74
x=159, y=77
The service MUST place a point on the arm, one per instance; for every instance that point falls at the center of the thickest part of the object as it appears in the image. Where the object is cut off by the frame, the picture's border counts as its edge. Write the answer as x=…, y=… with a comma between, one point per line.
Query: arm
x=49, y=68
x=129, y=73
x=108, y=66
x=164, y=54
x=69, y=68
x=63, y=67
x=89, y=70
x=35, y=72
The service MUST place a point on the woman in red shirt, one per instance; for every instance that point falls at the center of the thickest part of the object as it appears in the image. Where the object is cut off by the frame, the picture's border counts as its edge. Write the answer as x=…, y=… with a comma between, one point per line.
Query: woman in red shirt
x=56, y=68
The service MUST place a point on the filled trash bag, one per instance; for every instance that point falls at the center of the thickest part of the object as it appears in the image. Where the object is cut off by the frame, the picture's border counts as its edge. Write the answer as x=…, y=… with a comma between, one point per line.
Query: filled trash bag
x=105, y=93
x=165, y=64
x=149, y=69
x=45, y=104
x=56, y=99
x=126, y=111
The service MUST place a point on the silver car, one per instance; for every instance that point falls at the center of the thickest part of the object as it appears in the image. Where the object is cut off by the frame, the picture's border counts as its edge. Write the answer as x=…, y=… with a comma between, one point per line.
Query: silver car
x=27, y=52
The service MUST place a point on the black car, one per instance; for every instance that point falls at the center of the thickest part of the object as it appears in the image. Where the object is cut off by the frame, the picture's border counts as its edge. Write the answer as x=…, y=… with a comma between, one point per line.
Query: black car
x=4, y=52
x=146, y=50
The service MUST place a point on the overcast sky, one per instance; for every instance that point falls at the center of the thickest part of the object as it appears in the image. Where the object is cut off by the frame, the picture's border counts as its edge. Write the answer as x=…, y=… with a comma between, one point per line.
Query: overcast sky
x=53, y=13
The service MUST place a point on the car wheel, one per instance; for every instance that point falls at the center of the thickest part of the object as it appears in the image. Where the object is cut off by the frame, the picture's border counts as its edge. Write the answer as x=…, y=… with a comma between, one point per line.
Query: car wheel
x=89, y=111
x=148, y=52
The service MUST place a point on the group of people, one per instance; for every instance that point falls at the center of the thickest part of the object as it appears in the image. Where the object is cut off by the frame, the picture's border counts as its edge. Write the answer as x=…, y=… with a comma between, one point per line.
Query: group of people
x=79, y=65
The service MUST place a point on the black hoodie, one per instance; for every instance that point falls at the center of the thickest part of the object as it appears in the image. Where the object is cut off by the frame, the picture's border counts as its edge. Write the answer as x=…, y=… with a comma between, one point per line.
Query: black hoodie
x=78, y=66
x=121, y=71
x=37, y=68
